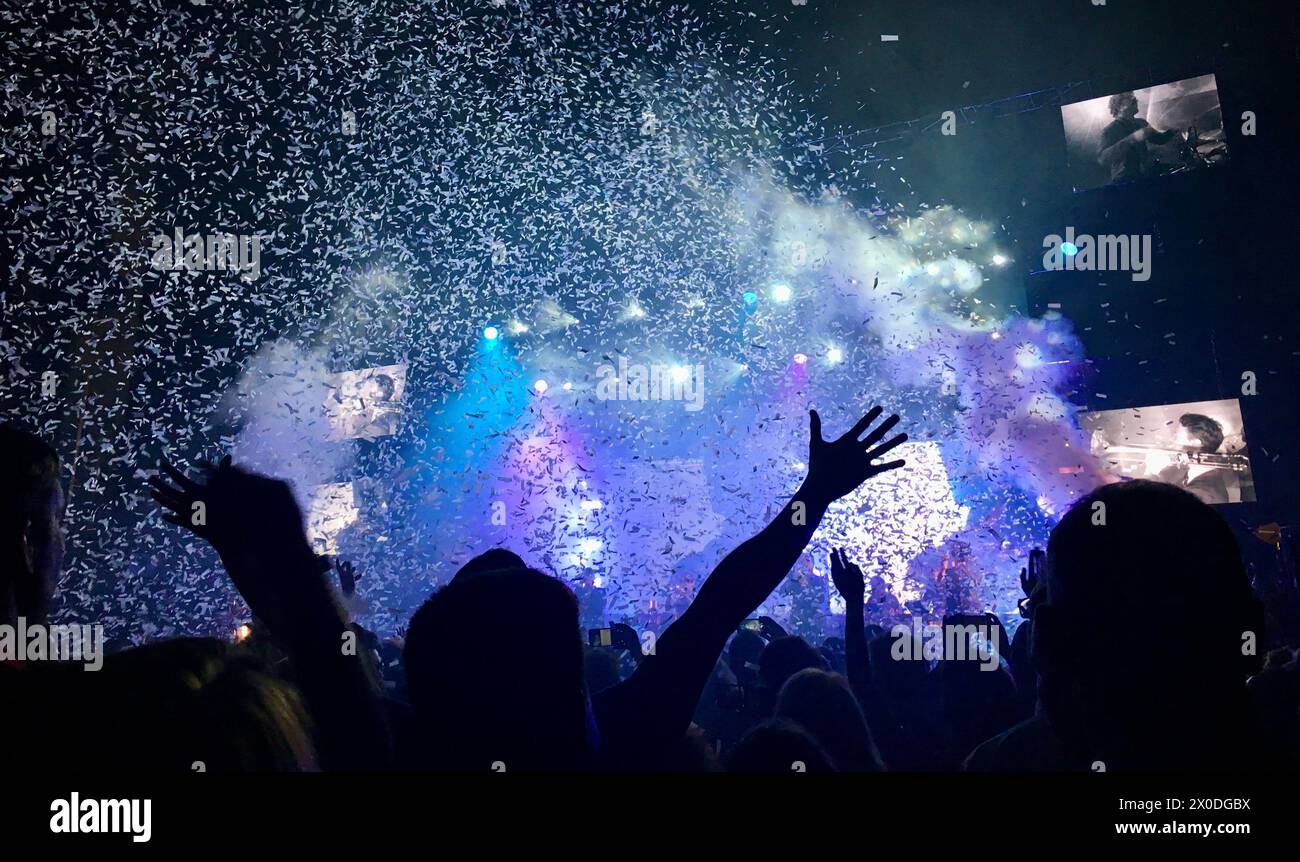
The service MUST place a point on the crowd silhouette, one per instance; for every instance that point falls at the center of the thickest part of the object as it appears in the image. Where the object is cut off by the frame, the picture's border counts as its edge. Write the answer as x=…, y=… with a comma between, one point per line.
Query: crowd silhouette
x=1143, y=648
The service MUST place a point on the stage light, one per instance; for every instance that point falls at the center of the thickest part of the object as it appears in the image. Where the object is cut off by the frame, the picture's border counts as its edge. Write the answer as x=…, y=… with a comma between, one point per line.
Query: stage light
x=590, y=546
x=490, y=333
x=568, y=386
x=750, y=298
x=781, y=293
x=517, y=328
x=932, y=268
x=1070, y=249
x=999, y=259
x=800, y=359
x=635, y=312
x=590, y=505
x=995, y=336
x=541, y=386
x=681, y=374
x=834, y=354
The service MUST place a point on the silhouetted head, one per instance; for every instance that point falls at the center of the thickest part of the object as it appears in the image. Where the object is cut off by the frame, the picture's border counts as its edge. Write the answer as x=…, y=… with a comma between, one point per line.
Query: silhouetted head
x=244, y=719
x=494, y=668
x=899, y=680
x=779, y=745
x=782, y=659
x=31, y=525
x=823, y=704
x=164, y=707
x=977, y=701
x=742, y=656
x=495, y=560
x=1143, y=637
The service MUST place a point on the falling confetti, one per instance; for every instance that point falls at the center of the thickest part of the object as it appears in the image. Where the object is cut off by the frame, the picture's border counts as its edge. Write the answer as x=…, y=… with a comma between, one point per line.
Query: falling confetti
x=595, y=182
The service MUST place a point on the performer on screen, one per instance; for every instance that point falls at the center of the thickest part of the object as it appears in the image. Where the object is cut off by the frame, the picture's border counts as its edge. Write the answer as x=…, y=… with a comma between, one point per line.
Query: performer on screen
x=376, y=412
x=1125, y=142
x=1197, y=433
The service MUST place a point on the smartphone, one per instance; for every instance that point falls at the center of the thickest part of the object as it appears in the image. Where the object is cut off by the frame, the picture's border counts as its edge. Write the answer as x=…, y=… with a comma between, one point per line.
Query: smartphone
x=752, y=625
x=600, y=637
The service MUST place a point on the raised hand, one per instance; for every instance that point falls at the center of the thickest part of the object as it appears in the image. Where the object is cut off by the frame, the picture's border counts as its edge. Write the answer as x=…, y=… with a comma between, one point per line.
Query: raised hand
x=837, y=467
x=347, y=573
x=184, y=500
x=847, y=578
x=229, y=506
x=254, y=524
x=1029, y=579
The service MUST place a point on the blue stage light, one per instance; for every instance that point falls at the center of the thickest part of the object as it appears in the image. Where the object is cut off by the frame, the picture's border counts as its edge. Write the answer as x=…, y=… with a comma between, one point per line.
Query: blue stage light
x=1070, y=249
x=491, y=333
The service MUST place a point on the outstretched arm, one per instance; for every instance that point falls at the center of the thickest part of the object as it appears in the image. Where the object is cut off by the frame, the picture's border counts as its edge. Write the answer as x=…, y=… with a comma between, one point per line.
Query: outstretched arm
x=749, y=574
x=255, y=526
x=661, y=696
x=848, y=581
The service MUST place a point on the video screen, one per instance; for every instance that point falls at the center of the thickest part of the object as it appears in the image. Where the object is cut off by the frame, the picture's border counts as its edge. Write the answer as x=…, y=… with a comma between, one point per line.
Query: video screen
x=1199, y=446
x=1136, y=134
x=365, y=404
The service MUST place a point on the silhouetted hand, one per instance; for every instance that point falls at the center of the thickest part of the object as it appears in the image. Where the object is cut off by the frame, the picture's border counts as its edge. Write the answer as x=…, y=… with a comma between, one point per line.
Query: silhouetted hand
x=847, y=578
x=836, y=468
x=1029, y=578
x=254, y=524
x=347, y=573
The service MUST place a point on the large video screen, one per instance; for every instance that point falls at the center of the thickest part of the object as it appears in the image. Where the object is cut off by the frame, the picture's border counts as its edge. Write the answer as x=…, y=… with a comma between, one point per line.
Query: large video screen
x=1199, y=446
x=1135, y=134
x=365, y=404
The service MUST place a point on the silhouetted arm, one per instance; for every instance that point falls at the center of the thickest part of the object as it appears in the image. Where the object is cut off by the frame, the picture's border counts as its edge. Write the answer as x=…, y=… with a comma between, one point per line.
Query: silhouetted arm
x=657, y=702
x=850, y=584
x=331, y=666
x=255, y=526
